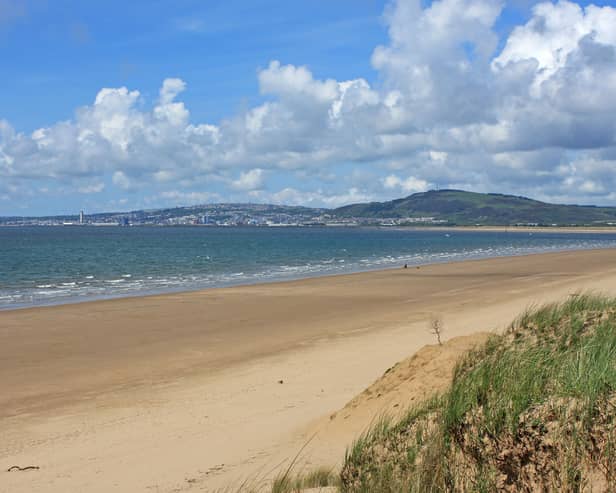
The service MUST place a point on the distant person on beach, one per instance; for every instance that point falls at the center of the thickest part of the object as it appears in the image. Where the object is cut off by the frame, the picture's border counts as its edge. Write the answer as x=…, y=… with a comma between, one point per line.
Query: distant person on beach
x=406, y=266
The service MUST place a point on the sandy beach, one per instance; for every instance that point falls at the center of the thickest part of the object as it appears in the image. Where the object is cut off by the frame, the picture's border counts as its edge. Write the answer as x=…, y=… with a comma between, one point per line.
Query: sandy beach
x=203, y=390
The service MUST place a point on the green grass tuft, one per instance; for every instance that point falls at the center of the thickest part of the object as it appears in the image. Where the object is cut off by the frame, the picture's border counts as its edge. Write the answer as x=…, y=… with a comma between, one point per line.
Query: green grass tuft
x=317, y=478
x=534, y=405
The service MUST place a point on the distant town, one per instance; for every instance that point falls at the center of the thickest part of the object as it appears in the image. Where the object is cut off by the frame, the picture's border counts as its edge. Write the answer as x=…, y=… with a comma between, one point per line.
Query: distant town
x=217, y=215
x=432, y=208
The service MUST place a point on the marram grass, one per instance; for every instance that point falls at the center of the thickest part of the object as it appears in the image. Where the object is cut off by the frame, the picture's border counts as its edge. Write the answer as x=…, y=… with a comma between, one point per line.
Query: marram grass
x=533, y=408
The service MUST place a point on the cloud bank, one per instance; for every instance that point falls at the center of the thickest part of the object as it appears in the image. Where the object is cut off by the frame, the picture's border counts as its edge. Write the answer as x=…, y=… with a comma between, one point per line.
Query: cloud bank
x=455, y=106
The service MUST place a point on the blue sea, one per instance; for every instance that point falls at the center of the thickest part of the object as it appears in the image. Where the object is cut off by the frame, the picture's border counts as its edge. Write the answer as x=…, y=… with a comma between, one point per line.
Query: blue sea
x=51, y=265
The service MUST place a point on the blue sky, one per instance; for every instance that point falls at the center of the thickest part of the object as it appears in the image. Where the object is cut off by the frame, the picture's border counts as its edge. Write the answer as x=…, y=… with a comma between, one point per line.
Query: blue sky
x=61, y=53
x=121, y=105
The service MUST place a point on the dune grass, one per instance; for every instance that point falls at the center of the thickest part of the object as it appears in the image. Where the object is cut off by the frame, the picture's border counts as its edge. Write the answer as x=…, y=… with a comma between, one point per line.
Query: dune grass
x=532, y=406
x=533, y=409
x=316, y=478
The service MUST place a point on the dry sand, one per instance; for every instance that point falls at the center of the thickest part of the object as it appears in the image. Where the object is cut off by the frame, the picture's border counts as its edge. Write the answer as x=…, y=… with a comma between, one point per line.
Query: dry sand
x=181, y=392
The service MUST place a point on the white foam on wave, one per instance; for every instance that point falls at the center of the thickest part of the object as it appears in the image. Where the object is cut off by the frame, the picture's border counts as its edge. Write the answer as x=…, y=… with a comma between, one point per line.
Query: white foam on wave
x=127, y=284
x=55, y=292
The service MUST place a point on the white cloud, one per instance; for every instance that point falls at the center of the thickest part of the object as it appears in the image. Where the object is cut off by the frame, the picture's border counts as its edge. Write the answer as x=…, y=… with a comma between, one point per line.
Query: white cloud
x=449, y=110
x=120, y=179
x=292, y=196
x=249, y=180
x=554, y=33
x=91, y=188
x=294, y=82
x=163, y=176
x=170, y=90
x=438, y=156
x=407, y=185
x=187, y=198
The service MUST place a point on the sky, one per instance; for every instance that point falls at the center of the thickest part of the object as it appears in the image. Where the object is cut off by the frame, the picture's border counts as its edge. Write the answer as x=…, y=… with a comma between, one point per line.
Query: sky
x=113, y=106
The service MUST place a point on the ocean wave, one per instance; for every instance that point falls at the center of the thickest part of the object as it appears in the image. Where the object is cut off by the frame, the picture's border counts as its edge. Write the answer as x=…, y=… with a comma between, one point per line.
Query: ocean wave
x=134, y=283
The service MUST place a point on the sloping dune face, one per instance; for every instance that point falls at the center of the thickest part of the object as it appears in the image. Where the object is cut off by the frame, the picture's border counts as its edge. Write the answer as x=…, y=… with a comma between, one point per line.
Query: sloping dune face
x=429, y=371
x=529, y=410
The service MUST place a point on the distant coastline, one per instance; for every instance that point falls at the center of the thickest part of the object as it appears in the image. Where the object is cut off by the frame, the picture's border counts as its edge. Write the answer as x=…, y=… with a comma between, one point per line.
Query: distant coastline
x=460, y=228
x=518, y=229
x=433, y=208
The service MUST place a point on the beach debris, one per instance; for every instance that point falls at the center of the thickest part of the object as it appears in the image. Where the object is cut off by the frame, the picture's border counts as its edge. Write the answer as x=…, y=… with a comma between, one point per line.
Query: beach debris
x=215, y=469
x=19, y=468
x=390, y=369
x=280, y=382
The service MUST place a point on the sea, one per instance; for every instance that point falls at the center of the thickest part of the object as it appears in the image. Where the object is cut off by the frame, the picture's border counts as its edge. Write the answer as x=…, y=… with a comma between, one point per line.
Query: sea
x=67, y=264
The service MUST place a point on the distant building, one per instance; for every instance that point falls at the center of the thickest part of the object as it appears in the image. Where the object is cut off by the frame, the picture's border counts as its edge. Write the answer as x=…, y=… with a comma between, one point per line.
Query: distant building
x=81, y=217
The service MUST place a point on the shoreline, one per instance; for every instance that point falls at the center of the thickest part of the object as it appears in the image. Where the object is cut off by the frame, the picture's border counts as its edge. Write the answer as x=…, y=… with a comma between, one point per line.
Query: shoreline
x=80, y=299
x=497, y=228
x=169, y=392
x=517, y=229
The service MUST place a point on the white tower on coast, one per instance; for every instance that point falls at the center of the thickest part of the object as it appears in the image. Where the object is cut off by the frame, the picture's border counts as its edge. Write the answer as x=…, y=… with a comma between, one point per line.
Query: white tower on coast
x=80, y=217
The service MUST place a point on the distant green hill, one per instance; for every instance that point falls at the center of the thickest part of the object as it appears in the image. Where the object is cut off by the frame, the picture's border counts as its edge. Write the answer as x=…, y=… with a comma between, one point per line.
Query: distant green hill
x=469, y=208
x=446, y=207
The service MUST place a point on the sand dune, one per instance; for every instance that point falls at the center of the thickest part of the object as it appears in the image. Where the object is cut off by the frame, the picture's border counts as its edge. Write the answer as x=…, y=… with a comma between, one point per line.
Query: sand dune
x=181, y=392
x=422, y=375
